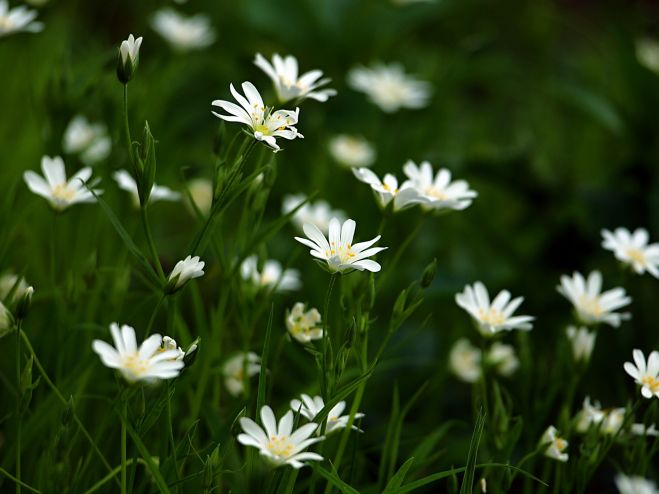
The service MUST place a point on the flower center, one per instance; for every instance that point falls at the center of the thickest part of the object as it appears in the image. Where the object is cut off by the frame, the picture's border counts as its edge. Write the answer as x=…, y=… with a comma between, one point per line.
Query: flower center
x=493, y=317
x=590, y=305
x=343, y=252
x=652, y=383
x=436, y=193
x=63, y=192
x=636, y=255
x=280, y=446
x=135, y=365
x=262, y=128
x=6, y=23
x=560, y=444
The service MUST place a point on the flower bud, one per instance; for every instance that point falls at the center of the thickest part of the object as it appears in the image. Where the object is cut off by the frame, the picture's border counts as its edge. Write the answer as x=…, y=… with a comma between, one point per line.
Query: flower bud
x=24, y=303
x=429, y=274
x=129, y=55
x=185, y=270
x=191, y=353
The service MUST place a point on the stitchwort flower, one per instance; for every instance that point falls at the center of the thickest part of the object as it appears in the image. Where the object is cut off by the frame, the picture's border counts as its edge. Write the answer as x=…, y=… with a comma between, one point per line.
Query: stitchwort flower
x=438, y=192
x=633, y=249
x=238, y=369
x=645, y=373
x=90, y=141
x=184, y=271
x=556, y=445
x=338, y=254
x=183, y=33
x=387, y=190
x=310, y=407
x=17, y=19
x=303, y=325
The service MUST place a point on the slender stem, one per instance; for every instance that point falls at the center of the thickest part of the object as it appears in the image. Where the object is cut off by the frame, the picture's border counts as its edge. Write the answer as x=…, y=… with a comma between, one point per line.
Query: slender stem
x=150, y=242
x=170, y=430
x=129, y=141
x=124, y=464
x=17, y=481
x=59, y=395
x=326, y=340
x=19, y=414
x=112, y=474
x=153, y=315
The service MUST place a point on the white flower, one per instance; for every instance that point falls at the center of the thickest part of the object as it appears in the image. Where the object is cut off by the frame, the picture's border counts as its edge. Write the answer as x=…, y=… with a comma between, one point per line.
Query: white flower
x=278, y=443
x=90, y=141
x=645, y=374
x=130, y=50
x=183, y=33
x=642, y=430
x=389, y=87
x=310, y=407
x=556, y=446
x=318, y=213
x=387, y=190
x=185, y=270
x=633, y=249
x=201, y=192
x=502, y=357
x=591, y=305
x=583, y=342
x=304, y=326
x=339, y=253
x=635, y=485
x=439, y=192
x=272, y=276
x=158, y=192
x=289, y=86
x=352, y=150
x=169, y=344
x=266, y=124
x=146, y=363
x=238, y=369
x=17, y=19
x=7, y=283
x=59, y=192
x=492, y=317
x=465, y=361
x=610, y=421
x=647, y=53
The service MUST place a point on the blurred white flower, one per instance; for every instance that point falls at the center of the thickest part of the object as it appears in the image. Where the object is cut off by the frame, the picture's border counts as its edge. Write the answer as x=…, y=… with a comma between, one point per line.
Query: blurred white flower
x=389, y=87
x=633, y=249
x=238, y=369
x=439, y=192
x=591, y=414
x=642, y=430
x=288, y=84
x=266, y=124
x=169, y=344
x=339, y=254
x=503, y=358
x=645, y=374
x=158, y=192
x=465, y=361
x=59, y=192
x=201, y=192
x=582, y=341
x=184, y=271
x=592, y=306
x=310, y=407
x=318, y=213
x=17, y=19
x=303, y=325
x=387, y=190
x=272, y=276
x=647, y=53
x=635, y=485
x=146, y=363
x=183, y=33
x=492, y=317
x=6, y=323
x=556, y=445
x=352, y=150
x=278, y=443
x=10, y=281
x=90, y=141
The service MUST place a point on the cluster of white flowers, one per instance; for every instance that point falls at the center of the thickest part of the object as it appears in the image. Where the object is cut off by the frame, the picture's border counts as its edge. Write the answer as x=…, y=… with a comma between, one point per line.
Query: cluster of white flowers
x=303, y=325
x=272, y=276
x=466, y=361
x=607, y=421
x=90, y=141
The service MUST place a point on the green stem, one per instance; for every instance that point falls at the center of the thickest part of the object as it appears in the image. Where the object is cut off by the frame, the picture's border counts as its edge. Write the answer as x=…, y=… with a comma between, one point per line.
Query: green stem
x=19, y=414
x=150, y=242
x=17, y=481
x=170, y=430
x=129, y=141
x=153, y=316
x=124, y=464
x=112, y=474
x=324, y=384
x=61, y=398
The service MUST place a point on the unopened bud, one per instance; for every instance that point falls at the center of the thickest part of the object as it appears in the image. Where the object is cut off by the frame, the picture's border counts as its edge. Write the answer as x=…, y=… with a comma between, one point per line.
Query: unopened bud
x=129, y=56
x=429, y=274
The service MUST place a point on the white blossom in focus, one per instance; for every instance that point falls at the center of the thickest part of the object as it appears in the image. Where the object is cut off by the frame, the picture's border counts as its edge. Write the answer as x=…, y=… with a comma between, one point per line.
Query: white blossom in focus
x=645, y=373
x=184, y=271
x=438, y=191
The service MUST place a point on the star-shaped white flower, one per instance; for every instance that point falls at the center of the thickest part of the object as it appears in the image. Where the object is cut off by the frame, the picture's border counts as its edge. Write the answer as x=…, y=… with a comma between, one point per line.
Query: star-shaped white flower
x=339, y=253
x=90, y=141
x=158, y=192
x=645, y=373
x=238, y=369
x=635, y=485
x=556, y=445
x=387, y=190
x=389, y=87
x=271, y=276
x=59, y=192
x=318, y=213
x=17, y=19
x=438, y=191
x=184, y=271
x=591, y=305
x=288, y=85
x=183, y=33
x=266, y=124
x=303, y=325
x=492, y=317
x=633, y=249
x=278, y=443
x=310, y=407
x=147, y=363
x=351, y=150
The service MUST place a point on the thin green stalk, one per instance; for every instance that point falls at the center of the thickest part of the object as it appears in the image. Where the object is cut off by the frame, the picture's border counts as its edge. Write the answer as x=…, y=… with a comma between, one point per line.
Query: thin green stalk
x=124, y=464
x=150, y=242
x=59, y=395
x=129, y=141
x=170, y=431
x=324, y=385
x=17, y=481
x=19, y=414
x=153, y=316
x=110, y=475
